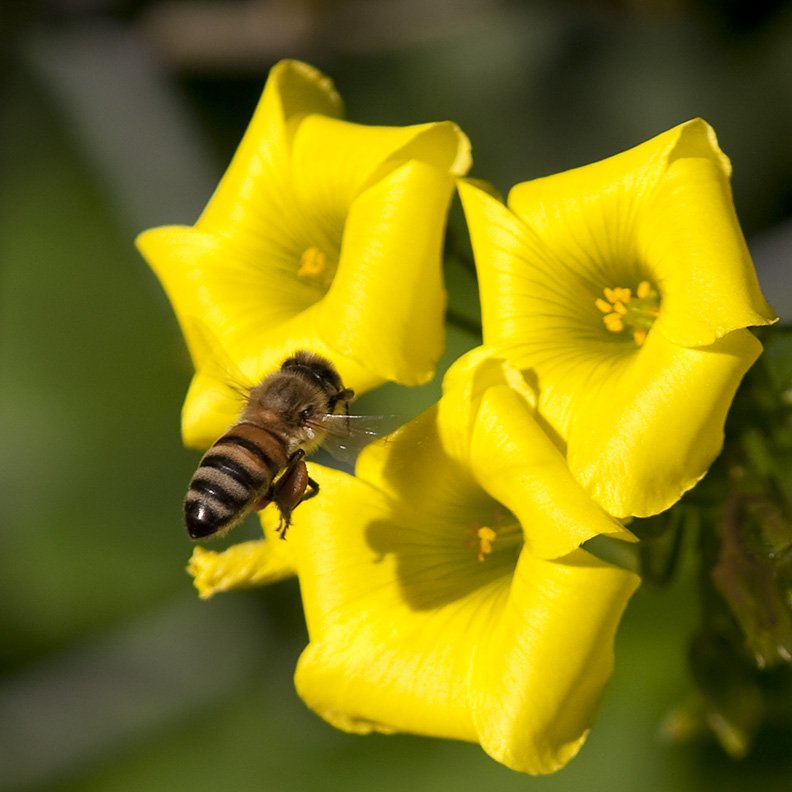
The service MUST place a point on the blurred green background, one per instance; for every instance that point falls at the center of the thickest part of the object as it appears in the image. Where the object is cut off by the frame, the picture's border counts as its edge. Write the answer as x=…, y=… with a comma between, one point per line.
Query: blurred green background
x=115, y=116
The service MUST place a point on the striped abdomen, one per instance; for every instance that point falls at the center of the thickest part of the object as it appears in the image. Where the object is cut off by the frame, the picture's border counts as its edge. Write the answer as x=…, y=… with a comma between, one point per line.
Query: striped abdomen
x=233, y=475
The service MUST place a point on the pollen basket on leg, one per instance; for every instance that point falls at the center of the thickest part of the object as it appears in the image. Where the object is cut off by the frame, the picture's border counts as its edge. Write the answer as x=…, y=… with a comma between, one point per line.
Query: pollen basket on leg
x=630, y=311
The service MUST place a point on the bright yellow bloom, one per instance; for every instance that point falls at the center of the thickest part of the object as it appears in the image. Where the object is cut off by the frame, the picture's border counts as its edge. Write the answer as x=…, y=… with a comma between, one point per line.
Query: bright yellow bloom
x=622, y=291
x=443, y=585
x=322, y=234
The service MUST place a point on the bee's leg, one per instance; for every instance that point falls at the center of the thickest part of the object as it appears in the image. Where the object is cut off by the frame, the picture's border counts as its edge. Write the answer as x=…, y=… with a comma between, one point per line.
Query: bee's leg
x=284, y=523
x=263, y=501
x=311, y=490
x=289, y=489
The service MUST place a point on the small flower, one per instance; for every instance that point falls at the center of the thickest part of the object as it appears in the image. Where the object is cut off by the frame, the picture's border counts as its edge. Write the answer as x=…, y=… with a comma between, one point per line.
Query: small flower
x=322, y=234
x=622, y=291
x=444, y=588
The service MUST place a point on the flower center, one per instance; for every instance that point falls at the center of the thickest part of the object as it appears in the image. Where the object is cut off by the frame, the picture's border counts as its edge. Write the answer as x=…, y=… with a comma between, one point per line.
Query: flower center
x=316, y=268
x=486, y=537
x=500, y=536
x=634, y=313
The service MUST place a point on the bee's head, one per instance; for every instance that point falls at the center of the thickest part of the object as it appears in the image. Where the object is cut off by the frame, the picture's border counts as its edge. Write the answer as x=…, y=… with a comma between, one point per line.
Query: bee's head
x=297, y=398
x=319, y=371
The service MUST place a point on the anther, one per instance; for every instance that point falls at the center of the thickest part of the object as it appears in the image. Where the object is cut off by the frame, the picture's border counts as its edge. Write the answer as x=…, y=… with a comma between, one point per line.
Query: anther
x=312, y=263
x=486, y=537
x=623, y=311
x=603, y=305
x=317, y=267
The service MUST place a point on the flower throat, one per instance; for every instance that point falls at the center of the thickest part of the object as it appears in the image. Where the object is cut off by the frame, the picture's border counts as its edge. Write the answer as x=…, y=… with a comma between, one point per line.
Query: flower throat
x=625, y=311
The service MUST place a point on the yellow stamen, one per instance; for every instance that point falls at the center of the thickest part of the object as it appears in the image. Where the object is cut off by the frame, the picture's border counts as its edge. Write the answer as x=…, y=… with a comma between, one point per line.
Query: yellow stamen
x=486, y=537
x=623, y=310
x=613, y=322
x=313, y=263
x=623, y=295
x=603, y=305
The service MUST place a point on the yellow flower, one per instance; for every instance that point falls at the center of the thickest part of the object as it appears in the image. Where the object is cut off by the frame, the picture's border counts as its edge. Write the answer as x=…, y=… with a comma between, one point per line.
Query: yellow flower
x=322, y=234
x=443, y=585
x=622, y=291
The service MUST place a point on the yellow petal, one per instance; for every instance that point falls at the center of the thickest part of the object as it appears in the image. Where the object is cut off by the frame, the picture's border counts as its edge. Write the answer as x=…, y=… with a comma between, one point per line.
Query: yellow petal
x=661, y=210
x=334, y=161
x=240, y=319
x=413, y=468
x=392, y=617
x=386, y=305
x=601, y=229
x=219, y=288
x=646, y=428
x=537, y=679
x=619, y=182
x=403, y=638
x=691, y=235
x=242, y=565
x=293, y=90
x=515, y=461
x=528, y=288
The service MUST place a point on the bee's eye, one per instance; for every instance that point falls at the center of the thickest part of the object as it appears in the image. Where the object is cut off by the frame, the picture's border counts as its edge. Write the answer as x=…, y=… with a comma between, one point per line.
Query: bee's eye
x=305, y=415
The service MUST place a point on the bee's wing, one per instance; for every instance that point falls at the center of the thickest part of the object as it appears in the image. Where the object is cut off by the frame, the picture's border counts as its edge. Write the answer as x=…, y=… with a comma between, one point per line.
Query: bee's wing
x=217, y=364
x=347, y=435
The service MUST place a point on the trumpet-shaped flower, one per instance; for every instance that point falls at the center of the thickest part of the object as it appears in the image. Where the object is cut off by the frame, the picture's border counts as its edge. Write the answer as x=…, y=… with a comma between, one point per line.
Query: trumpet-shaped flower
x=623, y=290
x=443, y=585
x=322, y=234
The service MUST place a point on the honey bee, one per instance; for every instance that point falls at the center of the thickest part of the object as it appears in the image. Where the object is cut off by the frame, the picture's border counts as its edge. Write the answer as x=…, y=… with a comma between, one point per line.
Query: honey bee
x=261, y=459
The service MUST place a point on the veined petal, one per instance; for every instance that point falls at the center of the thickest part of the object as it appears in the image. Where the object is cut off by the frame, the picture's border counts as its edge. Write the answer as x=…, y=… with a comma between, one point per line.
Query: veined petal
x=386, y=304
x=413, y=468
x=310, y=204
x=406, y=635
x=631, y=445
x=394, y=554
x=613, y=288
x=537, y=679
x=392, y=617
x=527, y=288
x=212, y=278
x=293, y=90
x=234, y=333
x=661, y=211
